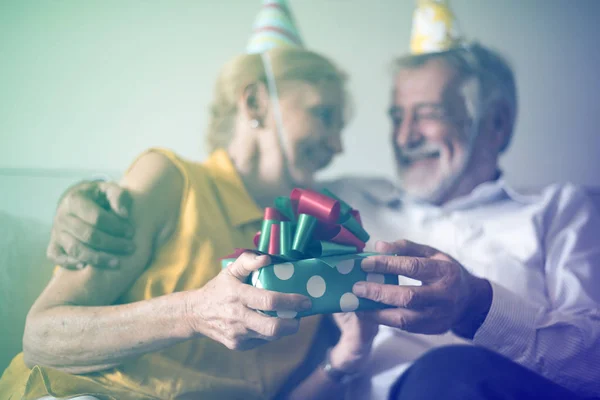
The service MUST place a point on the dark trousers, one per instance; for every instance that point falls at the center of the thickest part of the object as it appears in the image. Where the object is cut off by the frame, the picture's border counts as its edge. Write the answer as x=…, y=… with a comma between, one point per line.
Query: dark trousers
x=473, y=373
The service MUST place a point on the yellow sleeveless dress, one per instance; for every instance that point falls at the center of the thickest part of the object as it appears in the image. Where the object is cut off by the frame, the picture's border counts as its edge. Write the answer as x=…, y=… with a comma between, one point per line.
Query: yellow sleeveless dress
x=216, y=216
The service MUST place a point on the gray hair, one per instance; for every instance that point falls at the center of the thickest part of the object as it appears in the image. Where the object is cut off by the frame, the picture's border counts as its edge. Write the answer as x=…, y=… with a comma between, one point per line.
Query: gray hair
x=487, y=78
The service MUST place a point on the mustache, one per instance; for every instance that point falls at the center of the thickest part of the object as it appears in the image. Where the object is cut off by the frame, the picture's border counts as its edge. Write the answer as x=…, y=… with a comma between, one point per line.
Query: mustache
x=421, y=150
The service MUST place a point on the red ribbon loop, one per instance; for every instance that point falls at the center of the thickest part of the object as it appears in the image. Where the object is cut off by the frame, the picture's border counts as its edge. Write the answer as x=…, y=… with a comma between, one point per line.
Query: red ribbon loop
x=316, y=204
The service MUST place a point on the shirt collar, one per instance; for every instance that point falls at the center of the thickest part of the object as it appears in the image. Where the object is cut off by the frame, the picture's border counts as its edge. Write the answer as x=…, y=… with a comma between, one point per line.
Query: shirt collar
x=484, y=193
x=235, y=200
x=489, y=192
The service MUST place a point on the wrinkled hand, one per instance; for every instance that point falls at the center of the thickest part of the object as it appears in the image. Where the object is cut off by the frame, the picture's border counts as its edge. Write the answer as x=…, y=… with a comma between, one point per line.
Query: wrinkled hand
x=91, y=226
x=449, y=298
x=224, y=308
x=356, y=340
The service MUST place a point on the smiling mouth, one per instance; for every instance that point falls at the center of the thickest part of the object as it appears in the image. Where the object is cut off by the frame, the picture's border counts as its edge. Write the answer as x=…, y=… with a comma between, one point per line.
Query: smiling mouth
x=408, y=160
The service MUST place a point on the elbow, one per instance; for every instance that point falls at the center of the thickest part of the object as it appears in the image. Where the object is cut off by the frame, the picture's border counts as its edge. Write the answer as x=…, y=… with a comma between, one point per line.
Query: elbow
x=38, y=349
x=35, y=343
x=43, y=345
x=32, y=356
x=29, y=359
x=30, y=348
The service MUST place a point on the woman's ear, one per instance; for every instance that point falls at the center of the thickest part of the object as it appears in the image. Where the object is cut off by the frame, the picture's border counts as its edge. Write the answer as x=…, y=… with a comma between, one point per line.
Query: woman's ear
x=254, y=104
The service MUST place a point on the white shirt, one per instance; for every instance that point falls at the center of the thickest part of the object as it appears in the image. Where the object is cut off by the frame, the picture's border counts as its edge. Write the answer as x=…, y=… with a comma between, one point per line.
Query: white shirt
x=541, y=254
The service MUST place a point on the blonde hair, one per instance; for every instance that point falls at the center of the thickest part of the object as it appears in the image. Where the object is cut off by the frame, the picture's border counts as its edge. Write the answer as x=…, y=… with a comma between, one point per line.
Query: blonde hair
x=289, y=64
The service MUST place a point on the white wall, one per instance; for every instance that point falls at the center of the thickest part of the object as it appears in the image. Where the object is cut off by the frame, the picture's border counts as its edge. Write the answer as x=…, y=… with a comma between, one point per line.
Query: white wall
x=89, y=84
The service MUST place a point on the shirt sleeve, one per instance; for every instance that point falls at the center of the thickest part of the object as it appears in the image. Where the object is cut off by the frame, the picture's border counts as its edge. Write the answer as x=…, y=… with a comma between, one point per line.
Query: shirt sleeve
x=560, y=340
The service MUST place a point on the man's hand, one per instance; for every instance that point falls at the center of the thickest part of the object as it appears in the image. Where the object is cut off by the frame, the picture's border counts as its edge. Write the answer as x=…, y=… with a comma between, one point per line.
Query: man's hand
x=91, y=226
x=449, y=298
x=225, y=308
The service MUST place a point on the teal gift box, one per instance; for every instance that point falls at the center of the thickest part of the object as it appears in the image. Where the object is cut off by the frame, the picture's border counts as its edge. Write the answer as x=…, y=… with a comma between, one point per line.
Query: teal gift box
x=315, y=241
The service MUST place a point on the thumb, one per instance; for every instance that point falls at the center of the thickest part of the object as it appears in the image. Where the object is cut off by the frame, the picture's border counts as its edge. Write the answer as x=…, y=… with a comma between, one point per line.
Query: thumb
x=385, y=247
x=119, y=199
x=247, y=263
x=405, y=248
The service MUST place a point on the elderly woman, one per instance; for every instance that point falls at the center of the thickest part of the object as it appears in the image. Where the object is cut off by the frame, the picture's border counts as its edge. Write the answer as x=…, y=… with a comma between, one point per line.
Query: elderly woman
x=164, y=325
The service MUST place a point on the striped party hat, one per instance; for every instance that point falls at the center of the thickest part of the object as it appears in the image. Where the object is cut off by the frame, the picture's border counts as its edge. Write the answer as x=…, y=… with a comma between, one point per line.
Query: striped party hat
x=274, y=27
x=435, y=28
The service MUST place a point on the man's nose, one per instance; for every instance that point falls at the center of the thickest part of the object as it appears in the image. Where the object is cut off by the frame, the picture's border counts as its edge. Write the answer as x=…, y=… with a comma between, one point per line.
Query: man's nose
x=407, y=134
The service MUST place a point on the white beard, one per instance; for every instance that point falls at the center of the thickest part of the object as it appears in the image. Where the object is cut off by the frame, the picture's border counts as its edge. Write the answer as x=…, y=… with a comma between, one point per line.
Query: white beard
x=423, y=188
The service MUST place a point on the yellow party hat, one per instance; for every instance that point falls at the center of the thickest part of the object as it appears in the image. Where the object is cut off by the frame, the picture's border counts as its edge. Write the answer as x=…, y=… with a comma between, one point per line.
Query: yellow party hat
x=435, y=28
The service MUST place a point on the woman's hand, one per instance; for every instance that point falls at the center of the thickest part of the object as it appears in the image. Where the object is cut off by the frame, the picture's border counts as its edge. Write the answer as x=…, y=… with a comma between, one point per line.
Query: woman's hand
x=356, y=340
x=225, y=308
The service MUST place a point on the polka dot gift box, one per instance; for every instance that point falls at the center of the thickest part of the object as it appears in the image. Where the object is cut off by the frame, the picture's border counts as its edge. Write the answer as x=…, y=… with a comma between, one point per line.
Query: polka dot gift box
x=315, y=241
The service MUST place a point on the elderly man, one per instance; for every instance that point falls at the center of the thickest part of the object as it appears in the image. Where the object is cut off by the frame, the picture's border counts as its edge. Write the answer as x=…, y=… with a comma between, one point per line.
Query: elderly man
x=517, y=276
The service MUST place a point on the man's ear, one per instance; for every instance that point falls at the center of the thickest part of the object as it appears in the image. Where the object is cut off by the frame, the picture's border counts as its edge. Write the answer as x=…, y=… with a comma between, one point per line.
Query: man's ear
x=498, y=125
x=254, y=102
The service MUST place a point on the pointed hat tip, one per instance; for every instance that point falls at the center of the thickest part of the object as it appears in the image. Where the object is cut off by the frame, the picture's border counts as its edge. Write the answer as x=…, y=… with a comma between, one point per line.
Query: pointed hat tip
x=435, y=28
x=274, y=26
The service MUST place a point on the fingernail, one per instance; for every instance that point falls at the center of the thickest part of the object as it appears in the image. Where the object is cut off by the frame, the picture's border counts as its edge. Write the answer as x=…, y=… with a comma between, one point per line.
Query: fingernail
x=113, y=263
x=368, y=265
x=260, y=255
x=306, y=305
x=359, y=289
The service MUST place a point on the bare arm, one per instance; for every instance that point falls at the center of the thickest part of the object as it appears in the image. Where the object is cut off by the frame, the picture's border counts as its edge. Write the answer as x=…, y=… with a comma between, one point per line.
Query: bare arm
x=71, y=327
x=347, y=356
x=79, y=339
